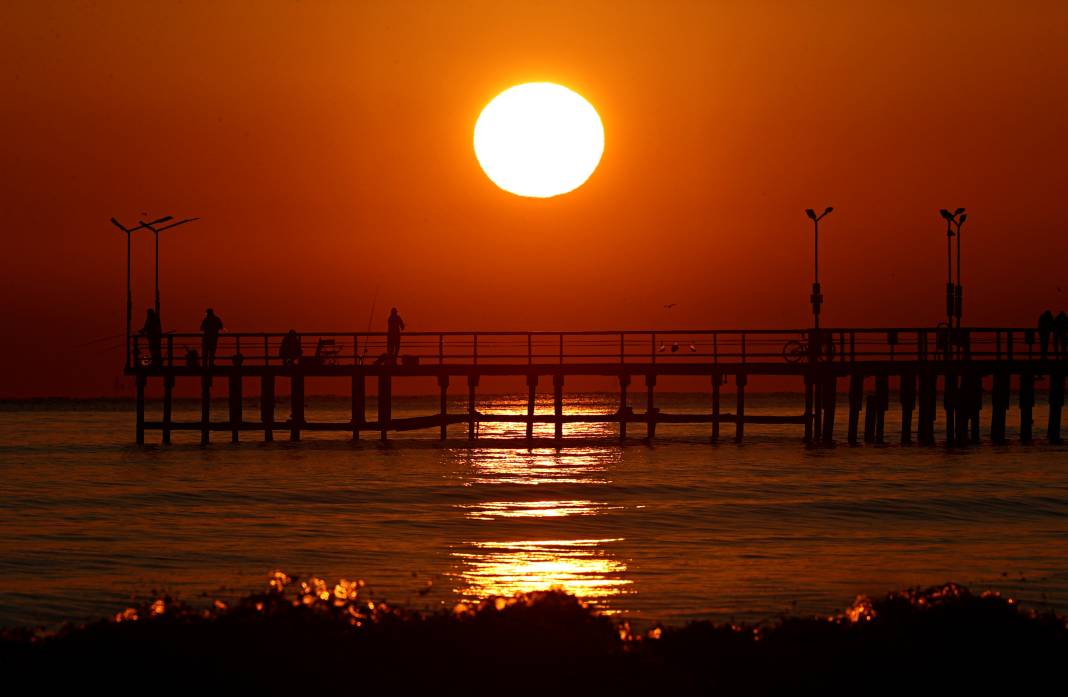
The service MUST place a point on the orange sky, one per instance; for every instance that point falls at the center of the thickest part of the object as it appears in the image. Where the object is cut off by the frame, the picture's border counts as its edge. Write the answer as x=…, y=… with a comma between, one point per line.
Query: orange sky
x=327, y=147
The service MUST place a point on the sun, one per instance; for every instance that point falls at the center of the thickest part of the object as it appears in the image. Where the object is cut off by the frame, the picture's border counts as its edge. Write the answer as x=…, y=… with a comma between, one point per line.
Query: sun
x=539, y=139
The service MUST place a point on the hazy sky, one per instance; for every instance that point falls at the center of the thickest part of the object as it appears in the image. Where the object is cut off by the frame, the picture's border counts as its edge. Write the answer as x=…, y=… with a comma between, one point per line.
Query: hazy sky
x=327, y=147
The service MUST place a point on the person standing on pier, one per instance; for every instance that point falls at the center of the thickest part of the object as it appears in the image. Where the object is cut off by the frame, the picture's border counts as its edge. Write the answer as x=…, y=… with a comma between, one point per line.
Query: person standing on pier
x=1045, y=327
x=1060, y=335
x=153, y=331
x=290, y=351
x=211, y=326
x=396, y=325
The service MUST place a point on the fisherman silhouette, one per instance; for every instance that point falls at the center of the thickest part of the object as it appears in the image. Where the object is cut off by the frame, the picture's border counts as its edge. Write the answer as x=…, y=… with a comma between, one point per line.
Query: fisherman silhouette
x=153, y=330
x=396, y=325
x=290, y=351
x=1060, y=335
x=211, y=326
x=1045, y=327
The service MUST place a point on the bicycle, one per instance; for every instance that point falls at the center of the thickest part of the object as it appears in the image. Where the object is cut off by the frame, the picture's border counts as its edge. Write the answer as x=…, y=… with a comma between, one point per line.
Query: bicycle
x=797, y=350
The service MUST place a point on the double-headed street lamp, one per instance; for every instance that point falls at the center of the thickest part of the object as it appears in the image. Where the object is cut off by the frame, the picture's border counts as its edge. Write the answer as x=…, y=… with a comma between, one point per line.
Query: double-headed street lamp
x=816, y=297
x=155, y=232
x=954, y=296
x=129, y=292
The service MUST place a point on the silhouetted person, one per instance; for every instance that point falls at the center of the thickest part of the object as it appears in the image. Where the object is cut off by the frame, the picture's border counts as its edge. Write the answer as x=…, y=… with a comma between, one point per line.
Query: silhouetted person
x=211, y=326
x=396, y=325
x=1045, y=327
x=153, y=331
x=290, y=351
x=1060, y=335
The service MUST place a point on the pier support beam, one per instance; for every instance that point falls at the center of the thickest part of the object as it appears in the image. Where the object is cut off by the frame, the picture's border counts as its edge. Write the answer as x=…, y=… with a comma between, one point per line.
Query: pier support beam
x=472, y=413
x=739, y=424
x=650, y=408
x=235, y=398
x=267, y=406
x=358, y=395
x=532, y=396
x=999, y=406
x=558, y=406
x=830, y=403
x=1027, y=405
x=385, y=404
x=296, y=404
x=443, y=408
x=168, y=408
x=907, y=396
x=717, y=382
x=965, y=407
x=624, y=409
x=205, y=409
x=1056, y=404
x=975, y=406
x=856, y=402
x=140, y=423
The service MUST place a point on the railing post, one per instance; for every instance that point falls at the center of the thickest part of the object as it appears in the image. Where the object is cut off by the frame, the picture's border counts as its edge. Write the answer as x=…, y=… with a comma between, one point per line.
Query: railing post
x=652, y=347
x=852, y=347
x=441, y=349
x=622, y=350
x=715, y=348
x=474, y=348
x=561, y=347
x=530, y=349
x=1009, y=345
x=266, y=351
x=743, y=351
x=170, y=351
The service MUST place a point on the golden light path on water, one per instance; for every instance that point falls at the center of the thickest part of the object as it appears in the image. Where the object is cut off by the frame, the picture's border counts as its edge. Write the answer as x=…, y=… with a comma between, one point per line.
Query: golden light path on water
x=526, y=547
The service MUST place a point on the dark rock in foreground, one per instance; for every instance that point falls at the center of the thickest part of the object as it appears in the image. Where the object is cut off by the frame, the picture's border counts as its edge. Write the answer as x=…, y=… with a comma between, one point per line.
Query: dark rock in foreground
x=307, y=636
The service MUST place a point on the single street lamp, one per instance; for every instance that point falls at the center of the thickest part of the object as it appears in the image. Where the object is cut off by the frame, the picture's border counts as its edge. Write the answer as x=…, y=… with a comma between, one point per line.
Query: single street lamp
x=155, y=233
x=816, y=297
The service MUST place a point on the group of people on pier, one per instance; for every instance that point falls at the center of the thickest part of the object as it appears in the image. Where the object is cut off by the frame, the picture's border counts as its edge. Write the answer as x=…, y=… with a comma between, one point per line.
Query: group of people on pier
x=290, y=350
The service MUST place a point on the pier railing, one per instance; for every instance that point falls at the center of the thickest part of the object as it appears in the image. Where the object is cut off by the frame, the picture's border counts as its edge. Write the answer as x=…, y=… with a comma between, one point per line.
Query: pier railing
x=726, y=346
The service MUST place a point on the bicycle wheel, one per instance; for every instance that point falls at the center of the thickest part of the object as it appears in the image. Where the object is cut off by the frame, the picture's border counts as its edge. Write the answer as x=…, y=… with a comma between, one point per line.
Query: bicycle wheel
x=794, y=351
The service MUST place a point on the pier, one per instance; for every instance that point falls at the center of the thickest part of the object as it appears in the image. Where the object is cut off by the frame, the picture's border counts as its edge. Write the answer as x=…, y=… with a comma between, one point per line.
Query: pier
x=923, y=364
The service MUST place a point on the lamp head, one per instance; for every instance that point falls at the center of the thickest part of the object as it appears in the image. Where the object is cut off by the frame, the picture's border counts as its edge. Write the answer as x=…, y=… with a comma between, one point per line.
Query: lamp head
x=945, y=214
x=826, y=211
x=962, y=219
x=958, y=211
x=808, y=211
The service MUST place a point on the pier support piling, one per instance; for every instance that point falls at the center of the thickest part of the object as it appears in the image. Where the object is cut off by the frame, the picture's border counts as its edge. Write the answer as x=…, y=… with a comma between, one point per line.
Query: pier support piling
x=558, y=406
x=882, y=404
x=1027, y=405
x=205, y=409
x=624, y=408
x=928, y=407
x=443, y=406
x=358, y=395
x=532, y=395
x=950, y=398
x=472, y=412
x=235, y=399
x=999, y=405
x=739, y=423
x=808, y=408
x=907, y=396
x=856, y=402
x=717, y=382
x=296, y=404
x=140, y=419
x=1056, y=405
x=267, y=406
x=830, y=402
x=650, y=407
x=168, y=408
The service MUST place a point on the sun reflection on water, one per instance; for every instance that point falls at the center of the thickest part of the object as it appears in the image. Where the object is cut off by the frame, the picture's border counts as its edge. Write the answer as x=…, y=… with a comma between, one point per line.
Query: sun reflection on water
x=525, y=544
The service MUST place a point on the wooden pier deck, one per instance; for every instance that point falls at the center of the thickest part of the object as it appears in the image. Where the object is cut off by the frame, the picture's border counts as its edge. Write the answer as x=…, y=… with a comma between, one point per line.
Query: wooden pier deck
x=922, y=363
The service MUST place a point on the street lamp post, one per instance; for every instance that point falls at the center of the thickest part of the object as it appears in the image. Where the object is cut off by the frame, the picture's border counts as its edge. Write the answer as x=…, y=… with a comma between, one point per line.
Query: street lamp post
x=816, y=298
x=155, y=233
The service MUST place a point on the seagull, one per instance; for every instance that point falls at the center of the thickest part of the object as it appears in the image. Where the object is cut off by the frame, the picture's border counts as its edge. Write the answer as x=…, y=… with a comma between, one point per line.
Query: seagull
x=661, y=348
x=670, y=305
x=693, y=349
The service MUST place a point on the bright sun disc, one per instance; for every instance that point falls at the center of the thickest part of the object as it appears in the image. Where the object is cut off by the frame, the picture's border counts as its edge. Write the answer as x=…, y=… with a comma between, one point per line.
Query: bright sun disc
x=539, y=139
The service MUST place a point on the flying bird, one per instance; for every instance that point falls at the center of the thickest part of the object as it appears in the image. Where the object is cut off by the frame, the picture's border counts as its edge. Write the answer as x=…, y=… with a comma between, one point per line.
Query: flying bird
x=670, y=305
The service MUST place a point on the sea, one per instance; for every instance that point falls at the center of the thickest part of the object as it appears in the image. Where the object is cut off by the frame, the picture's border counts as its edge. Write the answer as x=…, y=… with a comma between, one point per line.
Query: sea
x=669, y=531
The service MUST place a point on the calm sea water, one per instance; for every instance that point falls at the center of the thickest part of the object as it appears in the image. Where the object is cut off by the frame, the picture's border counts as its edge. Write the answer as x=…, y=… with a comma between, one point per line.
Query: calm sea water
x=676, y=531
